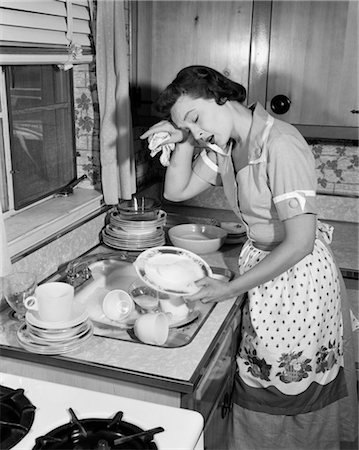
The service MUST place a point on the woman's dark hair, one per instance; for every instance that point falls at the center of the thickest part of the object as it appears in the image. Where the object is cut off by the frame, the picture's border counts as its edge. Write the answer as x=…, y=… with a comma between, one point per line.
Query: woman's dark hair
x=199, y=82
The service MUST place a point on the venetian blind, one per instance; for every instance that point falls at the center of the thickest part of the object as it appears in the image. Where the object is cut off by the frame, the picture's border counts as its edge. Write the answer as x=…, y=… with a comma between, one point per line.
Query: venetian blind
x=53, y=31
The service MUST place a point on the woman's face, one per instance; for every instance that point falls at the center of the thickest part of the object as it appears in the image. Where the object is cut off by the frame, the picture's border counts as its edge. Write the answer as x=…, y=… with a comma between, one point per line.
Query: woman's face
x=204, y=118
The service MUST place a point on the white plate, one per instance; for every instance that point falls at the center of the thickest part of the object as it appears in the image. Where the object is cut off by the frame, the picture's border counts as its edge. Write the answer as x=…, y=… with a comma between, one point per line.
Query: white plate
x=171, y=270
x=79, y=315
x=48, y=348
x=139, y=245
x=58, y=335
x=175, y=322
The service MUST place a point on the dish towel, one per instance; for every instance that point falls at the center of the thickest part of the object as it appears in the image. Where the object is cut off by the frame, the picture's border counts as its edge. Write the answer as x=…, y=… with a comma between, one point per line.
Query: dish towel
x=155, y=146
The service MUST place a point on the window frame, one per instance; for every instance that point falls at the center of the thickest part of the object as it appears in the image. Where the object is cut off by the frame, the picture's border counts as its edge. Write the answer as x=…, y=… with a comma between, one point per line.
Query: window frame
x=7, y=126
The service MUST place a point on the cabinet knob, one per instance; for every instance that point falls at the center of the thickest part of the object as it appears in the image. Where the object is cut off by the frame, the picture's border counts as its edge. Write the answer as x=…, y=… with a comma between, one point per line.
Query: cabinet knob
x=280, y=104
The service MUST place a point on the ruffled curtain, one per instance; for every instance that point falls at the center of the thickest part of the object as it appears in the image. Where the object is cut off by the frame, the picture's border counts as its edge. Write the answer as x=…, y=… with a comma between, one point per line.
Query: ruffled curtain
x=112, y=69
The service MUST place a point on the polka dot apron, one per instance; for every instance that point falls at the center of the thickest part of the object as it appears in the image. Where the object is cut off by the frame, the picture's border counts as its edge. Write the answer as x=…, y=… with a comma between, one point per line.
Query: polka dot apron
x=291, y=344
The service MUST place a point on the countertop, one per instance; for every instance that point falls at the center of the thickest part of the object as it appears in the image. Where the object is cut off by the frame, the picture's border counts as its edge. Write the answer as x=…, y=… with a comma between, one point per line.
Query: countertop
x=172, y=368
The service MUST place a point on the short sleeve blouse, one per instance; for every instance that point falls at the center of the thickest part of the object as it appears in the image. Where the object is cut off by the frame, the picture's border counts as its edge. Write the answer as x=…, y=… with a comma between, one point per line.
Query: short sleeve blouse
x=278, y=183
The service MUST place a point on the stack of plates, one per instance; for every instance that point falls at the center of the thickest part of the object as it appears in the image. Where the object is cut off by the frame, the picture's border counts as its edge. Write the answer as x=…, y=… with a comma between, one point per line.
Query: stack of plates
x=53, y=338
x=125, y=234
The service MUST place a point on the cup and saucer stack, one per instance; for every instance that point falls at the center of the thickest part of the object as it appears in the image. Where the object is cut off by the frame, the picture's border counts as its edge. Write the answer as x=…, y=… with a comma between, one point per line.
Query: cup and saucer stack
x=52, y=338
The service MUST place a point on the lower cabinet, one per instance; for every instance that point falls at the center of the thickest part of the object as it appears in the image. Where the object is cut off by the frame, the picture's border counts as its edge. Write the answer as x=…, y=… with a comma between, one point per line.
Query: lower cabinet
x=217, y=426
x=213, y=396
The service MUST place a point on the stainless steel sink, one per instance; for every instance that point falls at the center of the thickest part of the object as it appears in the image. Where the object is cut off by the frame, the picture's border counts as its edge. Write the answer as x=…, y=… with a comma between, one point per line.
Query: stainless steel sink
x=96, y=274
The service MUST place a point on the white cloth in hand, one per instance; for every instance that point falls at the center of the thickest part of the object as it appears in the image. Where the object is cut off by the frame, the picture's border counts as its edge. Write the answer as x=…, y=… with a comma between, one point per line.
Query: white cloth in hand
x=155, y=146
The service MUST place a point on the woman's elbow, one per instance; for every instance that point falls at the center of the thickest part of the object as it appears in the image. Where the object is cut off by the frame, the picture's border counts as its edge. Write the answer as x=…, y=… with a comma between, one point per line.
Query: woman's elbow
x=306, y=247
x=171, y=197
x=309, y=247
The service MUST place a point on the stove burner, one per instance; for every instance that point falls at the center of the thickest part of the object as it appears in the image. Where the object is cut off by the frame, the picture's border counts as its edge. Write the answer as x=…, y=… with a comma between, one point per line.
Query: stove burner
x=17, y=415
x=98, y=434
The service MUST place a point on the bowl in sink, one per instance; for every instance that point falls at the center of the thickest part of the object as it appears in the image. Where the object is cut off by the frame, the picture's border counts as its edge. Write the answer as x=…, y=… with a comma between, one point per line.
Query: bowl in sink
x=197, y=238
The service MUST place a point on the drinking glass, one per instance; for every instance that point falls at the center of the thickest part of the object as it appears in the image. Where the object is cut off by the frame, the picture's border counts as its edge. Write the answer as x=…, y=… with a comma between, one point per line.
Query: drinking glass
x=18, y=286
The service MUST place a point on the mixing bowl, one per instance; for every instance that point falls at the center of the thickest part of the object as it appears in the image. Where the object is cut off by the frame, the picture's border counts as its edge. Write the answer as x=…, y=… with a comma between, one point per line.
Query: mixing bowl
x=197, y=238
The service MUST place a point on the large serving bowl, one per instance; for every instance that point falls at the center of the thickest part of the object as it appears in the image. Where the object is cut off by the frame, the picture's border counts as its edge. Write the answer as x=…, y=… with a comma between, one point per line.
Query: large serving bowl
x=139, y=208
x=197, y=238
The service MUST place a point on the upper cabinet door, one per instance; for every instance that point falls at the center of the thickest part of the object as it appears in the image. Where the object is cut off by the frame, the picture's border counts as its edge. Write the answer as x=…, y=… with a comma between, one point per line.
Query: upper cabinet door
x=174, y=34
x=313, y=62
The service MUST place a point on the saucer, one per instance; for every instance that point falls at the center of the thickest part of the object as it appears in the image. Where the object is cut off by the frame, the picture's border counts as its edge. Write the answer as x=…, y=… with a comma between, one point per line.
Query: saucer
x=102, y=319
x=79, y=315
x=62, y=335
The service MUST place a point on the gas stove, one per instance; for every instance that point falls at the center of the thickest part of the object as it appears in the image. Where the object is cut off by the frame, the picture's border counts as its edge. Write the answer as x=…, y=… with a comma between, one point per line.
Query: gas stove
x=46, y=415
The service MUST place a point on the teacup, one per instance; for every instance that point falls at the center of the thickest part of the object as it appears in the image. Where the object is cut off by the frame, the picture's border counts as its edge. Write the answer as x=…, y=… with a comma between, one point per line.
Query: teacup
x=152, y=328
x=52, y=301
x=117, y=305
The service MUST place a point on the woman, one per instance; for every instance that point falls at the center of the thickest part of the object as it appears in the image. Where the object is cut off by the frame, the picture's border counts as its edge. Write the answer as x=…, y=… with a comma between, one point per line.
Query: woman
x=294, y=388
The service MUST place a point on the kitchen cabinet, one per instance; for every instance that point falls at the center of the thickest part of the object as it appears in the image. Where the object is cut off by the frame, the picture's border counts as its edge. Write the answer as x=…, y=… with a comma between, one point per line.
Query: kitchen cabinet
x=302, y=51
x=213, y=395
x=169, y=35
x=307, y=52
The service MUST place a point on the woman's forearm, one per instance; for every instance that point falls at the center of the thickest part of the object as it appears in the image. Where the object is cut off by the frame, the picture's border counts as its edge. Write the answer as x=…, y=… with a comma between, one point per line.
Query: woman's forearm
x=179, y=171
x=181, y=183
x=275, y=263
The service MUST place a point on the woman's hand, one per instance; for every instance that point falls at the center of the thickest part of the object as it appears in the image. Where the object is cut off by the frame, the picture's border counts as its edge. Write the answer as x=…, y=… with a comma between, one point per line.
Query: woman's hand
x=211, y=291
x=176, y=135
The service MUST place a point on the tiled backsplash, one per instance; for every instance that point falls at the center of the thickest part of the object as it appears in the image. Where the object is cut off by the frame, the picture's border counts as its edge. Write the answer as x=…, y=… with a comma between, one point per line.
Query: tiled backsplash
x=46, y=260
x=337, y=168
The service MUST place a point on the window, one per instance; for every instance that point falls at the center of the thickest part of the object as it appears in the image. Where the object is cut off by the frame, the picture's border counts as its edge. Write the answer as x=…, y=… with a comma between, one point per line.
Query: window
x=37, y=149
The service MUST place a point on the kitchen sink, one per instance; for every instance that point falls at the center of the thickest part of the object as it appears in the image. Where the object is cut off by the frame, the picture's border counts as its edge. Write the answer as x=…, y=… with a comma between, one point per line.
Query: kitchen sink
x=94, y=275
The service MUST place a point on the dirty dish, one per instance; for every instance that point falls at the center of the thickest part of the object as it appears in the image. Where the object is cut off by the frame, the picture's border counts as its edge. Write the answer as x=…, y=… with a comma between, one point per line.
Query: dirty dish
x=175, y=307
x=152, y=328
x=45, y=347
x=78, y=315
x=117, y=305
x=197, y=238
x=237, y=232
x=139, y=208
x=146, y=298
x=171, y=270
x=52, y=301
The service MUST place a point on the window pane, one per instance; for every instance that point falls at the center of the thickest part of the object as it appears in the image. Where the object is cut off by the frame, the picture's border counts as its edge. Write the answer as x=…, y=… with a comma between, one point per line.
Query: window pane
x=41, y=131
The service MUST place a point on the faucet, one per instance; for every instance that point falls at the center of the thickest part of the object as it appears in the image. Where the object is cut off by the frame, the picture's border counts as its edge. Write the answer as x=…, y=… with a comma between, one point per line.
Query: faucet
x=69, y=188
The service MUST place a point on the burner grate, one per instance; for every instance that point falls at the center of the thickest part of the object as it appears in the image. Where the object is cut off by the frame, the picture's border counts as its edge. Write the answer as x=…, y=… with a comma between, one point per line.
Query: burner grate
x=98, y=434
x=17, y=415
